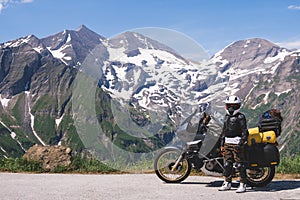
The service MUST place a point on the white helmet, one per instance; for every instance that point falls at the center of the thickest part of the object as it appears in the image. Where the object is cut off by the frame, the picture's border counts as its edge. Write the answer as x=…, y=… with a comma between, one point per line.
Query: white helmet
x=233, y=105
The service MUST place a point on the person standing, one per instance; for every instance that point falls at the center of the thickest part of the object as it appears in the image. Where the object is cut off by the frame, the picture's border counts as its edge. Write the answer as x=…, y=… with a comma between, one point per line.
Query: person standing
x=234, y=137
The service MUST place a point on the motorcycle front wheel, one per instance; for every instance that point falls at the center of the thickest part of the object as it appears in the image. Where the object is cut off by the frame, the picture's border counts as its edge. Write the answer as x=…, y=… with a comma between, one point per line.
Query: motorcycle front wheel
x=259, y=177
x=163, y=166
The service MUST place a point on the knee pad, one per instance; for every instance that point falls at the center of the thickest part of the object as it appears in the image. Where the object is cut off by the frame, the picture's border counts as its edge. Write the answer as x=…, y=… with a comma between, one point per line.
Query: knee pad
x=239, y=166
x=242, y=170
x=227, y=169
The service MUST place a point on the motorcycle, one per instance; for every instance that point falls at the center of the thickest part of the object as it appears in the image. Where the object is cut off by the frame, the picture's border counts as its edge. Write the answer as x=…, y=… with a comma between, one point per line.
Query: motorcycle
x=174, y=164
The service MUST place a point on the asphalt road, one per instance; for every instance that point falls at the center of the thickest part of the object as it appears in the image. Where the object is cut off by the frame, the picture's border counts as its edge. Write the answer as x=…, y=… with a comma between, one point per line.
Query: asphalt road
x=132, y=187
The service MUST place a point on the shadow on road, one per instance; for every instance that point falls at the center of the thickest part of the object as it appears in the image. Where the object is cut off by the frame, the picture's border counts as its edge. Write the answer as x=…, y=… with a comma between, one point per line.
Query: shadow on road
x=280, y=185
x=274, y=186
x=195, y=183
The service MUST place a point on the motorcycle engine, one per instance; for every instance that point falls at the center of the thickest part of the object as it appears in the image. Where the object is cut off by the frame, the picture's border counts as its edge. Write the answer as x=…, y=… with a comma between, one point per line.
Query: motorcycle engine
x=213, y=166
x=210, y=165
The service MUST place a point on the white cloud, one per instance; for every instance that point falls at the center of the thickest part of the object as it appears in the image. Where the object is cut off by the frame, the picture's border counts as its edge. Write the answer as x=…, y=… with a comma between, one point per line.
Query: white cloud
x=290, y=44
x=5, y=3
x=15, y=1
x=293, y=7
x=26, y=1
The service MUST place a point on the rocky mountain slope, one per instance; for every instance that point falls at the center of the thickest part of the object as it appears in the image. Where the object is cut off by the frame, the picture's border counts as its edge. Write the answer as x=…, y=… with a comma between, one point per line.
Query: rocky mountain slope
x=148, y=81
x=265, y=76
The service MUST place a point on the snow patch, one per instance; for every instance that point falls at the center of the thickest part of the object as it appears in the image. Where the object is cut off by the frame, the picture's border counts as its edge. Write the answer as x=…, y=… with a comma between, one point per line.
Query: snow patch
x=254, y=85
x=5, y=126
x=2, y=150
x=69, y=38
x=274, y=68
x=286, y=91
x=265, y=100
x=13, y=135
x=59, y=54
x=58, y=121
x=56, y=53
x=32, y=120
x=38, y=49
x=67, y=58
x=282, y=147
x=218, y=59
x=238, y=73
x=280, y=56
x=17, y=42
x=232, y=89
x=4, y=101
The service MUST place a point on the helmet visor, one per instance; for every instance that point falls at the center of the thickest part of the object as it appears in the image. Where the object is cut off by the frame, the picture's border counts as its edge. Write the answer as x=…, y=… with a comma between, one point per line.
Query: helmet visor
x=233, y=106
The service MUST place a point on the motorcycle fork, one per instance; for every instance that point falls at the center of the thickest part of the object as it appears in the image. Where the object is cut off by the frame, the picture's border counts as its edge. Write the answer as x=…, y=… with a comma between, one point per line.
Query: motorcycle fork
x=174, y=167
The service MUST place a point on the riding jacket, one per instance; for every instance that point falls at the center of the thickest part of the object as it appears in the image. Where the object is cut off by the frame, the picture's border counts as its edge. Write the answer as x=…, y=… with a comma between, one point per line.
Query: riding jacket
x=235, y=126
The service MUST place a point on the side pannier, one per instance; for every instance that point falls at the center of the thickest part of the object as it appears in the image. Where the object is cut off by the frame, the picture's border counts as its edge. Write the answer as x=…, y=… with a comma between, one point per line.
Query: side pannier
x=256, y=137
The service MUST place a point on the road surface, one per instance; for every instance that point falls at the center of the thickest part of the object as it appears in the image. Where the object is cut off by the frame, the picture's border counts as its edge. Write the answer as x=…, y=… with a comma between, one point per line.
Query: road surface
x=132, y=187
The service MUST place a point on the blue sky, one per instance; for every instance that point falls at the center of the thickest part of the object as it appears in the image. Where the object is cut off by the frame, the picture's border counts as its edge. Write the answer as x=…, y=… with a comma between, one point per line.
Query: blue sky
x=212, y=23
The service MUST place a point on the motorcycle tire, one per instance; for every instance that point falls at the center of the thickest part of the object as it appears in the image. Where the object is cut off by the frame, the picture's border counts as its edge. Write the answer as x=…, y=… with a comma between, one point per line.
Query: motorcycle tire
x=163, y=166
x=260, y=177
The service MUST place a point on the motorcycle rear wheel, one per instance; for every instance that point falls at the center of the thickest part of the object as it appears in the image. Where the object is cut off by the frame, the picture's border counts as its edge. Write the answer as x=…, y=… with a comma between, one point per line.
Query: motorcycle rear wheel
x=165, y=161
x=260, y=177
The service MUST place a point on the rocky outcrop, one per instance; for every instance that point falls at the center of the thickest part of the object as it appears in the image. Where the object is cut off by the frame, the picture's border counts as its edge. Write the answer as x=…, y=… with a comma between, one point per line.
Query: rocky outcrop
x=50, y=157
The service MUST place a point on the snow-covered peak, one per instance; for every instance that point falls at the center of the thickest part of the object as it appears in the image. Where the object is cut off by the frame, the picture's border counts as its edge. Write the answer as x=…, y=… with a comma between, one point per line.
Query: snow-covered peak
x=30, y=39
x=132, y=41
x=149, y=75
x=72, y=47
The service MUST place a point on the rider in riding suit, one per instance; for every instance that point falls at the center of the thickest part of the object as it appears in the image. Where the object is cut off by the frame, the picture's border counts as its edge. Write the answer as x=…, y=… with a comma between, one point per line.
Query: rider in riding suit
x=234, y=136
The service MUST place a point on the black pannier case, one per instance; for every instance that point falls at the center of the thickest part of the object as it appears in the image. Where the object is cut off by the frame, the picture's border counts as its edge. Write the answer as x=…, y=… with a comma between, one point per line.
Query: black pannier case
x=262, y=155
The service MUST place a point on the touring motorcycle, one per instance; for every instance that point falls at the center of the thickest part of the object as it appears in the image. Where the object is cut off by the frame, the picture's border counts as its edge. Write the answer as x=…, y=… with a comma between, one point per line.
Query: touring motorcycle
x=174, y=164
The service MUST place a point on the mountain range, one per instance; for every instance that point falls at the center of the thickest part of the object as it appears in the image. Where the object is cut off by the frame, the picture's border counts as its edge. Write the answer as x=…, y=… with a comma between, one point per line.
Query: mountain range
x=144, y=89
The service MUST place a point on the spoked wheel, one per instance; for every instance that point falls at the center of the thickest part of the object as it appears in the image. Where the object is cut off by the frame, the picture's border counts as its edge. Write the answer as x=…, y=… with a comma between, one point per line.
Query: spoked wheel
x=259, y=177
x=164, y=166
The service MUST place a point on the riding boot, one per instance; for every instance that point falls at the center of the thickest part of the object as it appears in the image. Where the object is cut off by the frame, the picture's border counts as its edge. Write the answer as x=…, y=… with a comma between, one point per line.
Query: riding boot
x=241, y=188
x=225, y=186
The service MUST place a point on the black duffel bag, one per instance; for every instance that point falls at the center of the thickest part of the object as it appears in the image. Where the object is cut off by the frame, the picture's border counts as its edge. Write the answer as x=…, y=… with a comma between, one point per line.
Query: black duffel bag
x=270, y=121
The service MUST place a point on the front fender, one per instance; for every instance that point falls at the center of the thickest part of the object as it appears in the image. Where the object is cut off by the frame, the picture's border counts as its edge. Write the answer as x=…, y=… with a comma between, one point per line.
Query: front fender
x=173, y=148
